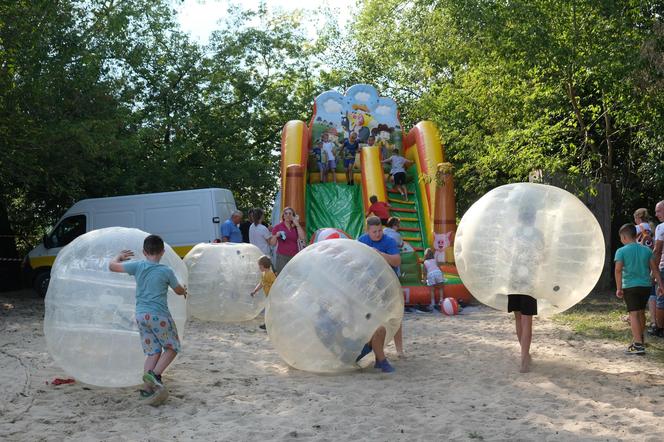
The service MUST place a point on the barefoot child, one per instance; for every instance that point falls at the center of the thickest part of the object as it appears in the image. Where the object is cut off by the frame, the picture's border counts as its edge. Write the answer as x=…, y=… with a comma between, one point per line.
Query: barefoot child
x=432, y=275
x=526, y=266
x=321, y=160
x=156, y=326
x=350, y=148
x=634, y=262
x=398, y=172
x=267, y=278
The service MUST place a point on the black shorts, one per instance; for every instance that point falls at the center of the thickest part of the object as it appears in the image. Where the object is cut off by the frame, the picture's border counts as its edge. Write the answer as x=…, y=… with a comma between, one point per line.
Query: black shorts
x=636, y=298
x=399, y=178
x=525, y=304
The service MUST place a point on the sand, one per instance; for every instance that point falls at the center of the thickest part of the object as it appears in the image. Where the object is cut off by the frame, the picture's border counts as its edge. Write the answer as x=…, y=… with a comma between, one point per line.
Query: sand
x=459, y=382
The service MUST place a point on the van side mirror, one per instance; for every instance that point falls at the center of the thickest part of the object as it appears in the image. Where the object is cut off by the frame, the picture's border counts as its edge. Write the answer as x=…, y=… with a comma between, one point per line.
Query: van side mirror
x=46, y=241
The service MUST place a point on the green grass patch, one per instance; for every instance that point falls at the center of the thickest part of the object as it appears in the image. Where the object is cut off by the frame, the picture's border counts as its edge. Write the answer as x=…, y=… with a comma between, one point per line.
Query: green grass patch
x=599, y=316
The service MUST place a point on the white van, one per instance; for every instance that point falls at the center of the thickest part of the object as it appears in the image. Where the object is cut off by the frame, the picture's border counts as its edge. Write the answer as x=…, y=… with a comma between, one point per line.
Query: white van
x=183, y=219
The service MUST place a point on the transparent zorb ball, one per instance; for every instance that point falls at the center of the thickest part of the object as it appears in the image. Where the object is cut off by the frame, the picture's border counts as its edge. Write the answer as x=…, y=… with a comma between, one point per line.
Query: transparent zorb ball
x=89, y=320
x=221, y=278
x=529, y=239
x=327, y=303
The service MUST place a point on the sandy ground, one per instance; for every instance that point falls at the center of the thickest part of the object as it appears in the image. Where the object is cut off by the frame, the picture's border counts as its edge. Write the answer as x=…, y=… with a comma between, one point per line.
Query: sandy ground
x=460, y=382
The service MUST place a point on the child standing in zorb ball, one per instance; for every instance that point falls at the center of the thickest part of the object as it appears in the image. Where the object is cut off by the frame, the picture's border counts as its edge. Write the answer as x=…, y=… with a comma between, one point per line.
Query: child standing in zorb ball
x=159, y=336
x=527, y=247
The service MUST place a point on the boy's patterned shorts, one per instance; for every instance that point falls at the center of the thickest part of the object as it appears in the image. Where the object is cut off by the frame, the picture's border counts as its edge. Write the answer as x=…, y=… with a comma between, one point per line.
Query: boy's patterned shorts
x=157, y=332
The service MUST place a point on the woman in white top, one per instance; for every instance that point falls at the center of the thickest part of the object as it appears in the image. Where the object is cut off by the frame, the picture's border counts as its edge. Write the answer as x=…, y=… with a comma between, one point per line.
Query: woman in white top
x=259, y=234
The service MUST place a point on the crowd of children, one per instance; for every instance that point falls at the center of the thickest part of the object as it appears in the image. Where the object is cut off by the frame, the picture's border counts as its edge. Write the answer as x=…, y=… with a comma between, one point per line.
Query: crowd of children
x=639, y=270
x=326, y=151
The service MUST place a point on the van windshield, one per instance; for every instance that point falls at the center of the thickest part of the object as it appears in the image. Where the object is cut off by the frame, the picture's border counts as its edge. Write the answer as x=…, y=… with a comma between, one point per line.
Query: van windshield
x=68, y=230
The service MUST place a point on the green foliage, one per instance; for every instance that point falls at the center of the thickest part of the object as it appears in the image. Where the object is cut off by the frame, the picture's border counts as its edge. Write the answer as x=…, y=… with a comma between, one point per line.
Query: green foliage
x=100, y=98
x=572, y=88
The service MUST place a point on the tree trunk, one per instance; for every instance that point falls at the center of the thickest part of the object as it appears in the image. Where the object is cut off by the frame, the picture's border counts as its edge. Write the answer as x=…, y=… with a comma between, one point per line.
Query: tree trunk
x=10, y=264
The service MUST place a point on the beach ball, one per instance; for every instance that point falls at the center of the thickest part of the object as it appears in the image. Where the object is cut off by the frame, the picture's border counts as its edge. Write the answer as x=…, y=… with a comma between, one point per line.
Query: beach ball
x=89, y=320
x=530, y=239
x=449, y=307
x=221, y=279
x=327, y=303
x=328, y=233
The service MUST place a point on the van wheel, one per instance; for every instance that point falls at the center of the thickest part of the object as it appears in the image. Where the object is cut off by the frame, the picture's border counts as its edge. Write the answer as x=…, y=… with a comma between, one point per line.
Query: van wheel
x=40, y=284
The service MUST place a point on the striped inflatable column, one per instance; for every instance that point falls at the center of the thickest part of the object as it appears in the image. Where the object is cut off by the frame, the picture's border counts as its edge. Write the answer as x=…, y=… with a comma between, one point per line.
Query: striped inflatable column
x=373, y=179
x=294, y=156
x=444, y=216
x=295, y=196
x=424, y=147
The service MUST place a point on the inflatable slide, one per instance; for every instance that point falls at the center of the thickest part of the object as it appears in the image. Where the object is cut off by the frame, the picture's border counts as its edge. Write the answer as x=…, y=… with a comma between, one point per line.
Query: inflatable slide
x=428, y=217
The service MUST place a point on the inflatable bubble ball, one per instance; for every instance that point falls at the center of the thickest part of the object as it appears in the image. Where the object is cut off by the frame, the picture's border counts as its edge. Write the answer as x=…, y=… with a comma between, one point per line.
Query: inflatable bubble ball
x=327, y=303
x=221, y=278
x=328, y=233
x=89, y=323
x=449, y=307
x=529, y=239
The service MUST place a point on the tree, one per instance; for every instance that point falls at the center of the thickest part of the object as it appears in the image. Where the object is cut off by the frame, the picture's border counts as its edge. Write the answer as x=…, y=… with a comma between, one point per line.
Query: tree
x=567, y=87
x=61, y=124
x=106, y=97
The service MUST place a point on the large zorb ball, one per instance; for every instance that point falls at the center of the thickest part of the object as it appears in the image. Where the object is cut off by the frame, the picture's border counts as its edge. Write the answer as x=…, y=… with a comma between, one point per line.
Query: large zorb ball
x=90, y=323
x=221, y=278
x=529, y=239
x=327, y=303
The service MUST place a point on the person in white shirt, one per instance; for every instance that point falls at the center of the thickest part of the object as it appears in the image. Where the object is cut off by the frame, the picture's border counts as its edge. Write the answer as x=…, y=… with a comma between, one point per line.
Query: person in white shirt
x=330, y=148
x=659, y=259
x=259, y=234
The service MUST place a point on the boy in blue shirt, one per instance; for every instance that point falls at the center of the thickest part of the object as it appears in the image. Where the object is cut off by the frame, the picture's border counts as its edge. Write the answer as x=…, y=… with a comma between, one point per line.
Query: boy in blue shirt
x=634, y=262
x=388, y=249
x=350, y=148
x=159, y=336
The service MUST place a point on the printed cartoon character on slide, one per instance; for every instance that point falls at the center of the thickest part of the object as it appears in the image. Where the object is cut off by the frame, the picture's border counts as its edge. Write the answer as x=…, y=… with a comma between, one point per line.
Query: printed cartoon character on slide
x=361, y=122
x=442, y=242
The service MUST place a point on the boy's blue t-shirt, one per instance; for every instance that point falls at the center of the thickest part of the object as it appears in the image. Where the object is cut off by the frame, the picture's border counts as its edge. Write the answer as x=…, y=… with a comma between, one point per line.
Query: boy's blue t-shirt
x=351, y=148
x=152, y=282
x=636, y=265
x=386, y=245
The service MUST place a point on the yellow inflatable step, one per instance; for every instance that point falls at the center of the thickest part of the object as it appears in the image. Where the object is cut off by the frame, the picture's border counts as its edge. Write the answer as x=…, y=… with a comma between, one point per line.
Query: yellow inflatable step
x=394, y=200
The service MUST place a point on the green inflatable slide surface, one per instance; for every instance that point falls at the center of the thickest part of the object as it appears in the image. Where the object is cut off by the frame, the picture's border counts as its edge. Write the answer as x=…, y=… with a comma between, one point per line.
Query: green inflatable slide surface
x=334, y=205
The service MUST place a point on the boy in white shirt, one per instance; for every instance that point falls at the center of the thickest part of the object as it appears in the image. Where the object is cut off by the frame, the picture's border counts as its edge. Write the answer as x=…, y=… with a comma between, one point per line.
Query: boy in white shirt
x=330, y=148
